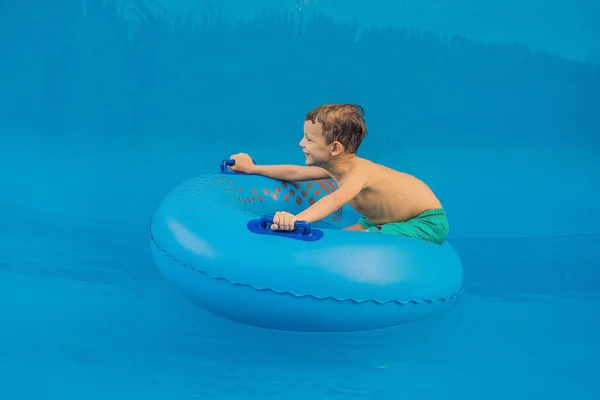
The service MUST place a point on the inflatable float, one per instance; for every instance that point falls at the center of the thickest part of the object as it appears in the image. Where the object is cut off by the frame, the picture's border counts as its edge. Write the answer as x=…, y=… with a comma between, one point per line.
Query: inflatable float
x=211, y=238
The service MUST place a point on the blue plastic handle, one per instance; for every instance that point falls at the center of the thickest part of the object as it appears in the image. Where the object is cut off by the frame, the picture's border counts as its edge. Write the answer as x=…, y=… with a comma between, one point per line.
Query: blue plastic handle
x=266, y=221
x=224, y=165
x=230, y=163
x=302, y=229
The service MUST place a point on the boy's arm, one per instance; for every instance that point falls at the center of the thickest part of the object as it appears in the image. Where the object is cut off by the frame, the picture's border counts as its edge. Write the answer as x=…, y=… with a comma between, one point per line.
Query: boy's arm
x=291, y=173
x=347, y=190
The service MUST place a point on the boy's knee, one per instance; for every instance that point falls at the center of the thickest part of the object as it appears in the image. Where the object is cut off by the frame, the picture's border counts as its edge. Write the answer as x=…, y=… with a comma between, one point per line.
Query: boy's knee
x=355, y=227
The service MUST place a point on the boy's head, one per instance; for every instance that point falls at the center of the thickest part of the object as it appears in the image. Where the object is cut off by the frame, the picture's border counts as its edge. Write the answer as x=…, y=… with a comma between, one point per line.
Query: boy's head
x=332, y=130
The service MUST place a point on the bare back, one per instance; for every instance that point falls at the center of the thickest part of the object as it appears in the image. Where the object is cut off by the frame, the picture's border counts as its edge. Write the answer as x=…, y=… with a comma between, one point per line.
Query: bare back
x=390, y=195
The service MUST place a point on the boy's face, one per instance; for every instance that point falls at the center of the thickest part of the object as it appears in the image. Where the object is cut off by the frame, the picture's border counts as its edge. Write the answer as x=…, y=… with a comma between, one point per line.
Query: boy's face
x=316, y=151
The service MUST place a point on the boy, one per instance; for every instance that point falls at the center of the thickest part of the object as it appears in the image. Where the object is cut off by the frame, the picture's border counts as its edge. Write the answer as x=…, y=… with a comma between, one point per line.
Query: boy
x=391, y=202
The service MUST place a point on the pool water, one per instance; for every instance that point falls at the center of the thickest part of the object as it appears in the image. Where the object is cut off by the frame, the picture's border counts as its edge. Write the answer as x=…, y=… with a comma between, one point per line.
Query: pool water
x=106, y=105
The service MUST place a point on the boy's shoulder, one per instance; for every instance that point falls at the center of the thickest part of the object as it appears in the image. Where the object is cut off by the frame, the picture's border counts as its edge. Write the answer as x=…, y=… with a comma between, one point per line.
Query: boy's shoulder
x=377, y=173
x=371, y=167
x=365, y=170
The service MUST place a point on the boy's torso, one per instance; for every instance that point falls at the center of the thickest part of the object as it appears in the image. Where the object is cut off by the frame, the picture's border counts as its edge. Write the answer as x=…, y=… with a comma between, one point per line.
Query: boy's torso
x=391, y=196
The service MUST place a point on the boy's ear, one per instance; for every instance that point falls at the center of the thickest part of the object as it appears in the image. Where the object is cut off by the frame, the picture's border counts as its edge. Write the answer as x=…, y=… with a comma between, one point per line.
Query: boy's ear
x=337, y=148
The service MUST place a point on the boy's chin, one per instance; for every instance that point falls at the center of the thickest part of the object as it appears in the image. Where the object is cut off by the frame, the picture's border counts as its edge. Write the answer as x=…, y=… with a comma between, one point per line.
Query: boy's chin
x=310, y=161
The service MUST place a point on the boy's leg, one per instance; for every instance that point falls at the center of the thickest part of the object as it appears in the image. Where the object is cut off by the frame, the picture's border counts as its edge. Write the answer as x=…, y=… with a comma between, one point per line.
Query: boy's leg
x=355, y=227
x=362, y=225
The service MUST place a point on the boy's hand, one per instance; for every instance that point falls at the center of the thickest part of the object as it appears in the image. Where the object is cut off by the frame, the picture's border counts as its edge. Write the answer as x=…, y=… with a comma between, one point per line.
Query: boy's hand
x=283, y=221
x=243, y=163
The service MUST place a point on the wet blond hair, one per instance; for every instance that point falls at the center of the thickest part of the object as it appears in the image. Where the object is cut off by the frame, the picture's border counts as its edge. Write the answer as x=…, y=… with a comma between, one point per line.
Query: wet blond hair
x=341, y=122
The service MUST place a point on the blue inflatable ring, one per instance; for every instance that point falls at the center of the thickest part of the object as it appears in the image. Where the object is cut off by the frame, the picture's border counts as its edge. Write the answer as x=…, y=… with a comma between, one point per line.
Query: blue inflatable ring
x=210, y=237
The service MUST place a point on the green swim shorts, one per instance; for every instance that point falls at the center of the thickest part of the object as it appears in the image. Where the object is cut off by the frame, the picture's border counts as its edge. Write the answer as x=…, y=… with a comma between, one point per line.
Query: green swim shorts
x=430, y=225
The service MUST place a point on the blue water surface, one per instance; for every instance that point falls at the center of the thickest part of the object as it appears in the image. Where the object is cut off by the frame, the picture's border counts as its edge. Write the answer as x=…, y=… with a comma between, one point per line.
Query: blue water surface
x=107, y=105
